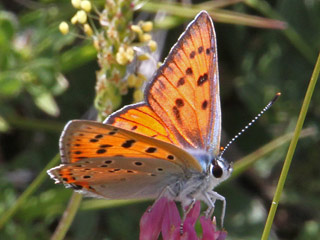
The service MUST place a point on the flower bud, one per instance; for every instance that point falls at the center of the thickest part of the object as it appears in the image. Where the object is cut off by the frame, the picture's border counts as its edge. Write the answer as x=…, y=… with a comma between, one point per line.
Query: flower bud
x=82, y=16
x=87, y=29
x=76, y=3
x=64, y=28
x=147, y=26
x=152, y=45
x=86, y=5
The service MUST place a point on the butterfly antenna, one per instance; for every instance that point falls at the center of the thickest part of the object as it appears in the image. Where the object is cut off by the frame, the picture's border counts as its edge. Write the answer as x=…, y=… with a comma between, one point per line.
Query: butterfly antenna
x=250, y=123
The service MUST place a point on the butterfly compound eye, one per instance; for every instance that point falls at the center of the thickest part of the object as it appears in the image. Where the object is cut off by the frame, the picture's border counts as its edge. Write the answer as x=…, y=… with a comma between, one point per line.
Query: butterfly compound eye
x=216, y=170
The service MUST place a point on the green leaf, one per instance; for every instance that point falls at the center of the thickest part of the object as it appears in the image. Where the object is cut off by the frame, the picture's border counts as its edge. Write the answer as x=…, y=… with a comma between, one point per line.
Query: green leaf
x=10, y=85
x=77, y=56
x=61, y=84
x=4, y=126
x=8, y=24
x=46, y=103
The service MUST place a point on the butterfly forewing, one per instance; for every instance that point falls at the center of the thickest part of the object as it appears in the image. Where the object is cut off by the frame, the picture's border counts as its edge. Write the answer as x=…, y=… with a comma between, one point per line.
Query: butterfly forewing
x=185, y=90
x=182, y=100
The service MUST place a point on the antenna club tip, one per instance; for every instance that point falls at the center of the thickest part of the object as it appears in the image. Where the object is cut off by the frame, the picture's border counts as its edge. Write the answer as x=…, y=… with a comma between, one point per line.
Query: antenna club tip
x=275, y=98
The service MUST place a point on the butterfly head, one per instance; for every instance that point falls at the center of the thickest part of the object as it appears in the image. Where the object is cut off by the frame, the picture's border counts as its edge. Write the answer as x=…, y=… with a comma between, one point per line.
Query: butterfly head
x=219, y=170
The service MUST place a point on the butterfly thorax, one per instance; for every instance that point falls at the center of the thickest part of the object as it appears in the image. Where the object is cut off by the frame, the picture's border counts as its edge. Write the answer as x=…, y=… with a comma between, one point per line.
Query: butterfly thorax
x=203, y=157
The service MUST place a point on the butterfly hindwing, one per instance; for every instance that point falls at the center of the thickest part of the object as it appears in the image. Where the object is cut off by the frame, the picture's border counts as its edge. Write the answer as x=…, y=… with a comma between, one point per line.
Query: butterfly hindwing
x=118, y=177
x=141, y=119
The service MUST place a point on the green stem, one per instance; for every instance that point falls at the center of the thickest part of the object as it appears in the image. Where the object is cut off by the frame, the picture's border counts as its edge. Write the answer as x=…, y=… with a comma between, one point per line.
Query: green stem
x=67, y=217
x=94, y=204
x=296, y=40
x=34, y=124
x=291, y=150
x=246, y=162
x=27, y=193
x=218, y=15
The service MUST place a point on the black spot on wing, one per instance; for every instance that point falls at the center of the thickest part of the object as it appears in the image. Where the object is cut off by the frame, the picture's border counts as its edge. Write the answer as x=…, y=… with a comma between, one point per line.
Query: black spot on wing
x=176, y=113
x=209, y=50
x=189, y=71
x=204, y=105
x=181, y=82
x=179, y=102
x=170, y=157
x=192, y=54
x=106, y=145
x=128, y=143
x=102, y=150
x=134, y=127
x=151, y=150
x=202, y=79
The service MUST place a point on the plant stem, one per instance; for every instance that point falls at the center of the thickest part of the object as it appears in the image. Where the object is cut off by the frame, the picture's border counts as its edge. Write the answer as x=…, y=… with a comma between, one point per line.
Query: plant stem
x=67, y=217
x=291, y=150
x=296, y=40
x=244, y=163
x=31, y=189
x=34, y=124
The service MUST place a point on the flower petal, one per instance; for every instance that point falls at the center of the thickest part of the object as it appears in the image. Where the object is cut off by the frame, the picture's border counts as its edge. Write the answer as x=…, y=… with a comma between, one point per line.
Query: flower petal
x=189, y=233
x=151, y=221
x=171, y=220
x=209, y=230
x=194, y=213
x=222, y=235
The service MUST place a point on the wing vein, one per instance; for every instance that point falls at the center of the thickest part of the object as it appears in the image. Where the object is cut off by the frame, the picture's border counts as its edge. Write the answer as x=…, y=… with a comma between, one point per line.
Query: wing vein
x=194, y=92
x=154, y=130
x=164, y=111
x=191, y=105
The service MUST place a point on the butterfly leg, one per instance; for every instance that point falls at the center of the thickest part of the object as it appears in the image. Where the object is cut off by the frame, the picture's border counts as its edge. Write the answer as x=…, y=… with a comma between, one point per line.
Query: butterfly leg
x=185, y=213
x=210, y=204
x=211, y=198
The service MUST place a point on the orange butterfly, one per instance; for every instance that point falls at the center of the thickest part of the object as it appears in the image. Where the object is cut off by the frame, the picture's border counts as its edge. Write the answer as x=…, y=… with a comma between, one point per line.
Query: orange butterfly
x=167, y=145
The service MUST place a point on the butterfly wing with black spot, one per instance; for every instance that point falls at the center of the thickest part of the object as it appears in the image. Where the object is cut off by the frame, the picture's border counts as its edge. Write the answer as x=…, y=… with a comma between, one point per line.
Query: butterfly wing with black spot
x=99, y=158
x=141, y=119
x=182, y=101
x=185, y=90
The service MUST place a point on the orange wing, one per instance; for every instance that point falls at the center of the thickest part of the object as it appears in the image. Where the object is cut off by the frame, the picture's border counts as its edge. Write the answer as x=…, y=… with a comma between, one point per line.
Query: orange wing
x=185, y=91
x=99, y=158
x=141, y=119
x=81, y=140
x=182, y=101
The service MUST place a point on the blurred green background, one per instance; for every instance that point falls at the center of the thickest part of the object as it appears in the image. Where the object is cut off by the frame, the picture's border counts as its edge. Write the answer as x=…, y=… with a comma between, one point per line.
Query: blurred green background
x=47, y=78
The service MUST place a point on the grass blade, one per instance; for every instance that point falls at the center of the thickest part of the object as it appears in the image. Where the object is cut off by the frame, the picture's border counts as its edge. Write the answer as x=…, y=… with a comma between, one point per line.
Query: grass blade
x=291, y=150
x=27, y=193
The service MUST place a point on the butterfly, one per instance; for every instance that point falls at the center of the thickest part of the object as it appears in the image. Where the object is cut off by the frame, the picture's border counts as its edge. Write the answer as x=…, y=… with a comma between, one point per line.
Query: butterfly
x=169, y=144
